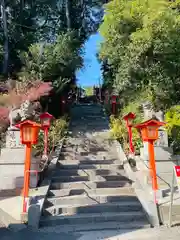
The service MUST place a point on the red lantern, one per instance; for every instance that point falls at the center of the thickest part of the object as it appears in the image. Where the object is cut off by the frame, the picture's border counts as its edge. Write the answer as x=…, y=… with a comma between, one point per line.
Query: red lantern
x=113, y=103
x=46, y=120
x=29, y=135
x=149, y=133
x=29, y=131
x=149, y=129
x=129, y=118
x=113, y=99
x=45, y=123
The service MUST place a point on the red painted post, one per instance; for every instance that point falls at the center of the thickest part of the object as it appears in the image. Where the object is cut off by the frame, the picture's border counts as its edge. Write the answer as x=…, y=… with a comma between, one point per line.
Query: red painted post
x=152, y=164
x=131, y=146
x=46, y=141
x=26, y=176
x=129, y=118
x=113, y=103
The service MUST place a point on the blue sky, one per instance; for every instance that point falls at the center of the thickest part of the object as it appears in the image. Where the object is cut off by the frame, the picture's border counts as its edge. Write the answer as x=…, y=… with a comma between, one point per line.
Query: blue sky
x=91, y=73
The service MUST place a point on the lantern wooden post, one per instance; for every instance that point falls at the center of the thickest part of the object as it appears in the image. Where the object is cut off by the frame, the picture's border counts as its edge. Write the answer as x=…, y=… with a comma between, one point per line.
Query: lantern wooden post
x=149, y=133
x=29, y=135
x=27, y=176
x=45, y=124
x=129, y=118
x=152, y=164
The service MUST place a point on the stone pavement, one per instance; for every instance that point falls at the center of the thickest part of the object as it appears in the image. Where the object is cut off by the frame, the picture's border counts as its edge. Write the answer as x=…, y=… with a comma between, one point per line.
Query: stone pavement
x=54, y=233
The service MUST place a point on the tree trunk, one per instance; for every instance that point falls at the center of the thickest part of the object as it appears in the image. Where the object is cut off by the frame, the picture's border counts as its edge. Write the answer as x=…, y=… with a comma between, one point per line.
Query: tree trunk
x=68, y=18
x=6, y=42
x=82, y=16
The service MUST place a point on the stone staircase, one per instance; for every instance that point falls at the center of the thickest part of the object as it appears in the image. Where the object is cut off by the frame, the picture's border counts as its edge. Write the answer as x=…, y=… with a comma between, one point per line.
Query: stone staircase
x=90, y=190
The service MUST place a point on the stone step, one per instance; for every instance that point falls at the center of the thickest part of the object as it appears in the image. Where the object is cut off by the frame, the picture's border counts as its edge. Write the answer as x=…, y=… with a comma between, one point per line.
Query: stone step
x=69, y=179
x=89, y=199
x=89, y=159
x=96, y=208
x=95, y=121
x=87, y=162
x=97, y=151
x=128, y=226
x=99, y=191
x=91, y=153
x=100, y=120
x=75, y=165
x=90, y=185
x=83, y=127
x=94, y=218
x=88, y=172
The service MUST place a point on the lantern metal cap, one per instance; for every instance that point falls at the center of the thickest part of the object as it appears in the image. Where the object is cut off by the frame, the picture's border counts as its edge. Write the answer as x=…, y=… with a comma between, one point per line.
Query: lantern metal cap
x=46, y=115
x=27, y=122
x=150, y=122
x=130, y=115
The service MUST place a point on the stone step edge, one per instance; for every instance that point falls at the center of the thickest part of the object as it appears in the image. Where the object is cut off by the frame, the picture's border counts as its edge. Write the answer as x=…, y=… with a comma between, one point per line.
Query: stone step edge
x=121, y=189
x=100, y=226
x=87, y=171
x=91, y=196
x=123, y=204
x=74, y=164
x=125, y=182
x=94, y=215
x=98, y=178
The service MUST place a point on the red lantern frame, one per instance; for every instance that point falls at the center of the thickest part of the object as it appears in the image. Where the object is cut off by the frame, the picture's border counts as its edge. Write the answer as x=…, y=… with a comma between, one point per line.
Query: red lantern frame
x=28, y=131
x=46, y=120
x=149, y=129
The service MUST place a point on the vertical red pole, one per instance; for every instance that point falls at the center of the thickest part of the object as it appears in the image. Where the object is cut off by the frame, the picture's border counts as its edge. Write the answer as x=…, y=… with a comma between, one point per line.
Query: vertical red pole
x=26, y=177
x=46, y=141
x=130, y=139
x=152, y=165
x=114, y=108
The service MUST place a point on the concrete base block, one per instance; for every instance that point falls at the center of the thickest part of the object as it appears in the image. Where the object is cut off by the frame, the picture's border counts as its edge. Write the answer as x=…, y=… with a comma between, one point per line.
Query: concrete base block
x=11, y=156
x=161, y=153
x=162, y=166
x=12, y=169
x=13, y=177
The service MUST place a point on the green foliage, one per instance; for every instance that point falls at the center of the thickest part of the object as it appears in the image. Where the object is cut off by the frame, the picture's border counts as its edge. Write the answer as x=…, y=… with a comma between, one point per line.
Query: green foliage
x=56, y=133
x=141, y=48
x=89, y=91
x=28, y=22
x=172, y=118
x=56, y=62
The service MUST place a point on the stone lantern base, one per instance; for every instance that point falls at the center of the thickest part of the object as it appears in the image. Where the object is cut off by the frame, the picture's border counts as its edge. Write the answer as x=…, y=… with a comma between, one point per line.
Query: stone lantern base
x=12, y=159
